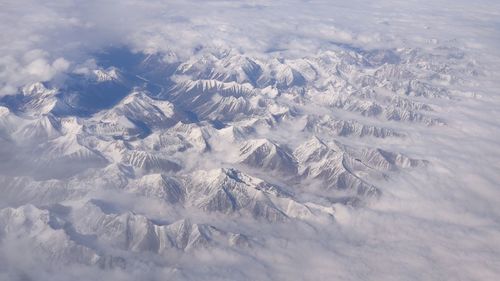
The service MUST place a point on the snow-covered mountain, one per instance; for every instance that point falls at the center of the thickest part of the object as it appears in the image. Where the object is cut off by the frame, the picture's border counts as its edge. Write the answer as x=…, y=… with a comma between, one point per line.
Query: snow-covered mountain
x=126, y=165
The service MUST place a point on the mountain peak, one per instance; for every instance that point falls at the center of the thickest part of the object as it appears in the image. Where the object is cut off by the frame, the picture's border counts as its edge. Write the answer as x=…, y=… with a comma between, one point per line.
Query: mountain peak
x=106, y=75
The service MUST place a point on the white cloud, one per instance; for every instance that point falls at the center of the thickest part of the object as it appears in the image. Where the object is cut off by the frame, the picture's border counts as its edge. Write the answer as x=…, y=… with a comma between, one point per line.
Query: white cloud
x=34, y=67
x=42, y=70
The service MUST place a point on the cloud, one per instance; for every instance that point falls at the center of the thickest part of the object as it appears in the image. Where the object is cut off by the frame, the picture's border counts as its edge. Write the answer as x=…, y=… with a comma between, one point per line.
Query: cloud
x=34, y=67
x=73, y=30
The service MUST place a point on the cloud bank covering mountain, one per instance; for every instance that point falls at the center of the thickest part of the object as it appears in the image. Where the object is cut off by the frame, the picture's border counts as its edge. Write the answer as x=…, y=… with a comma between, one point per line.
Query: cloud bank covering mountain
x=249, y=140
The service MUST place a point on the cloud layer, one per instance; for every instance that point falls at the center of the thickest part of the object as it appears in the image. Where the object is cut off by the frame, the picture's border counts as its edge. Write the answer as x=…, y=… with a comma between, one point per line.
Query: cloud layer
x=74, y=29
